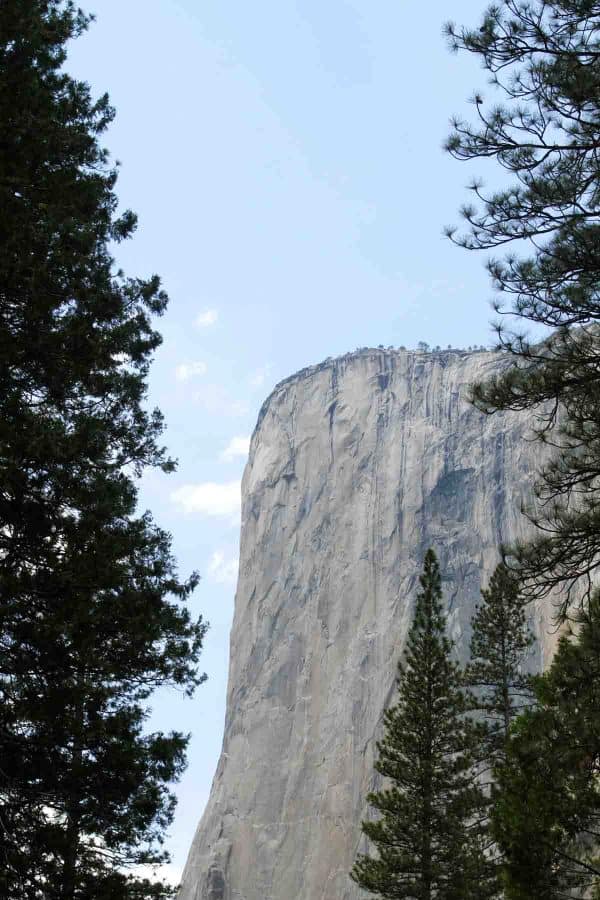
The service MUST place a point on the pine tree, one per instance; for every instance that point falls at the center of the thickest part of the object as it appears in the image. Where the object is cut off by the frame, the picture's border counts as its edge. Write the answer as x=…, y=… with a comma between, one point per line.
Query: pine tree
x=546, y=815
x=92, y=612
x=499, y=644
x=543, y=57
x=428, y=837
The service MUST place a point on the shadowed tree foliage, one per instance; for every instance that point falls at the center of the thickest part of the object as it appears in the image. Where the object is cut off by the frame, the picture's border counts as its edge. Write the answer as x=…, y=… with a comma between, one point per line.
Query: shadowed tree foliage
x=428, y=836
x=499, y=644
x=92, y=612
x=546, y=814
x=499, y=689
x=543, y=59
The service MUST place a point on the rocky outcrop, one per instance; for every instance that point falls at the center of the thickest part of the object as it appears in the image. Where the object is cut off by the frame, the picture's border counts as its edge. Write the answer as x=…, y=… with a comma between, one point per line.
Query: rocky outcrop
x=356, y=467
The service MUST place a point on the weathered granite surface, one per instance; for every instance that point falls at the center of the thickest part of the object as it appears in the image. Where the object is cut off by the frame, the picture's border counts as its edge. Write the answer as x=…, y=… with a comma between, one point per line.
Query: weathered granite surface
x=356, y=467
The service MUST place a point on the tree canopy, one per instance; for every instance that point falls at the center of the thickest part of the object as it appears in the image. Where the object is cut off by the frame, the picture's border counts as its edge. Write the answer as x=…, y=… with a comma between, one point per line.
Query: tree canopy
x=496, y=672
x=428, y=835
x=543, y=59
x=546, y=810
x=92, y=612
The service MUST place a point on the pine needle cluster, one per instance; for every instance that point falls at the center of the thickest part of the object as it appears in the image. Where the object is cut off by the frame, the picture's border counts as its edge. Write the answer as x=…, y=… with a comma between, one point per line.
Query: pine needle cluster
x=541, y=124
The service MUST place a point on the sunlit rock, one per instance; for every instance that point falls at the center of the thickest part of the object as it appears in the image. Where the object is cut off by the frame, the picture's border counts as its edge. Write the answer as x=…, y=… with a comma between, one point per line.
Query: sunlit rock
x=356, y=467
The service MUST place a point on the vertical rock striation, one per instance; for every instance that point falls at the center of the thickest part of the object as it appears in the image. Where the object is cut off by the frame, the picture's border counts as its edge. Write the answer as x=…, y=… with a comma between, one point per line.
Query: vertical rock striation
x=356, y=467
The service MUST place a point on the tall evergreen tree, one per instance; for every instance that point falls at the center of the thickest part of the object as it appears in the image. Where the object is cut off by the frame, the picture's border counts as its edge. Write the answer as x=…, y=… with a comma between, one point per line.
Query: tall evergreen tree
x=92, y=612
x=543, y=57
x=499, y=644
x=546, y=815
x=428, y=837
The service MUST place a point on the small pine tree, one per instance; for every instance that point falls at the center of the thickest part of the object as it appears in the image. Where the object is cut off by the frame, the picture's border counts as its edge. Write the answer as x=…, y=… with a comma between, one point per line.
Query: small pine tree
x=428, y=838
x=499, y=643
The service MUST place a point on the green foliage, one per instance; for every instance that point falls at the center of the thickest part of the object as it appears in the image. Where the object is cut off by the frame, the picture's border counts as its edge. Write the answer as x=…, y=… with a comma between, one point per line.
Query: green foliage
x=92, y=613
x=499, y=644
x=546, y=812
x=428, y=836
x=544, y=59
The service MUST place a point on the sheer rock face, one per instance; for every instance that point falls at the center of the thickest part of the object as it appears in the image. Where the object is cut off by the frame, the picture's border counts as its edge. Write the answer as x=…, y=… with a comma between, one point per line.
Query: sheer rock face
x=356, y=467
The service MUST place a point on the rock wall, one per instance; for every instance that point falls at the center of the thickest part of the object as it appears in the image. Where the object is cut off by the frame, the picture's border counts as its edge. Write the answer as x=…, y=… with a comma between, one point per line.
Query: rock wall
x=356, y=467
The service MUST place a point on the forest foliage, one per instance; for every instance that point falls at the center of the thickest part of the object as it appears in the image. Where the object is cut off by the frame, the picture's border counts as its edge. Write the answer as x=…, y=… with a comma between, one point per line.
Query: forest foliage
x=93, y=615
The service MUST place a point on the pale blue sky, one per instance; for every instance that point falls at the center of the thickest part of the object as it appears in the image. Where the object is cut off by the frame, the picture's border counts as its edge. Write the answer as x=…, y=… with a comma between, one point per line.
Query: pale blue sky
x=285, y=162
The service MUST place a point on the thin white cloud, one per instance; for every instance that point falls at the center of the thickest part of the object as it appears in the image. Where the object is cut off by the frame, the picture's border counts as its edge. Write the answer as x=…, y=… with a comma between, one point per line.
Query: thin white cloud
x=206, y=318
x=214, y=398
x=223, y=570
x=210, y=499
x=237, y=447
x=185, y=371
x=258, y=378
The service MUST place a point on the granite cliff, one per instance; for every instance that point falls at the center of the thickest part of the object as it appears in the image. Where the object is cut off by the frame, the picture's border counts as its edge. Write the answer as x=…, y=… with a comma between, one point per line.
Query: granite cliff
x=356, y=466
